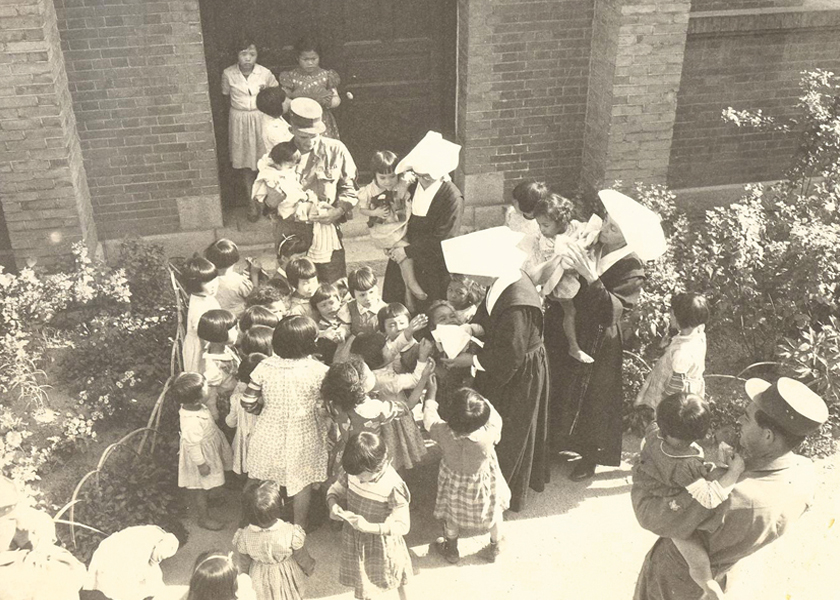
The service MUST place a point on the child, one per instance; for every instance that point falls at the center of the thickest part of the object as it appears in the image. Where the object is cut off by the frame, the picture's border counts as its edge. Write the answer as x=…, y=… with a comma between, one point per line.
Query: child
x=366, y=303
x=681, y=368
x=257, y=339
x=274, y=295
x=388, y=204
x=396, y=324
x=464, y=294
x=519, y=216
x=216, y=577
x=233, y=287
x=372, y=500
x=204, y=455
x=272, y=102
x=558, y=230
x=671, y=461
x=271, y=550
x=472, y=493
x=303, y=277
x=218, y=329
x=242, y=82
x=240, y=419
x=333, y=316
x=201, y=280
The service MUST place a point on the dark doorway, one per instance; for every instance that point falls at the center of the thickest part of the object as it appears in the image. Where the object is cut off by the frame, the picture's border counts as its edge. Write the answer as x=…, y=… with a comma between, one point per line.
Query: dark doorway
x=396, y=57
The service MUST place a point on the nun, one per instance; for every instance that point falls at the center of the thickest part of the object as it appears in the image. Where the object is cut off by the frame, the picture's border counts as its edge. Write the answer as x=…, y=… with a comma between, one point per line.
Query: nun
x=511, y=370
x=586, y=399
x=437, y=206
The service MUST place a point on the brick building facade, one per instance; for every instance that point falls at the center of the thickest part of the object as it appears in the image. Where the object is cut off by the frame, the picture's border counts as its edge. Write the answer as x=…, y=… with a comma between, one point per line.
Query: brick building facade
x=107, y=128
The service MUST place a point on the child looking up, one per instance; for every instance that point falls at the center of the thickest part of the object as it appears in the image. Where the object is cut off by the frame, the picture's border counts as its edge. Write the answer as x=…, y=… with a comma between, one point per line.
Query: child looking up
x=372, y=501
x=271, y=550
x=464, y=294
x=218, y=329
x=671, y=461
x=303, y=277
x=388, y=204
x=201, y=280
x=216, y=577
x=204, y=455
x=240, y=419
x=367, y=301
x=472, y=493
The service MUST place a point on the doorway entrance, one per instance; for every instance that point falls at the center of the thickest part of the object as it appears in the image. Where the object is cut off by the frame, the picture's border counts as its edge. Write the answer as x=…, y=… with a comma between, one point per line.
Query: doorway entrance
x=396, y=57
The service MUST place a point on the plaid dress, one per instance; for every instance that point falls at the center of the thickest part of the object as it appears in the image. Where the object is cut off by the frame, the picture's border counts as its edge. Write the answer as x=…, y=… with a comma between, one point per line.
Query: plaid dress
x=372, y=563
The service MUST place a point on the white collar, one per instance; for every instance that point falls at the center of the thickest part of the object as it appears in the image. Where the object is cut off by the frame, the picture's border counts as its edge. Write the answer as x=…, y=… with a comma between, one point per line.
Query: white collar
x=603, y=263
x=422, y=198
x=499, y=286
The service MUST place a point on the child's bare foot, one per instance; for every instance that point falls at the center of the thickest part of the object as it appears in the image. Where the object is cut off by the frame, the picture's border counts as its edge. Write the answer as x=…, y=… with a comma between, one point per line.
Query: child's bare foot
x=580, y=356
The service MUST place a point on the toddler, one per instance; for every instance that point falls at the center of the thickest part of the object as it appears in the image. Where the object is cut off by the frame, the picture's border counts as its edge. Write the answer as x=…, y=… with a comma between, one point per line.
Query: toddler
x=681, y=368
x=464, y=294
x=372, y=501
x=204, y=454
x=303, y=277
x=257, y=339
x=216, y=577
x=218, y=329
x=472, y=493
x=233, y=286
x=273, y=295
x=238, y=418
x=388, y=204
x=201, y=280
x=367, y=301
x=671, y=461
x=271, y=550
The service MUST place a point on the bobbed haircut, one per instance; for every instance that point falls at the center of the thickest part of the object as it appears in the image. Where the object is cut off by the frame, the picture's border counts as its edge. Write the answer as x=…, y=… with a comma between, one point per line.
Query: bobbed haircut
x=555, y=207
x=187, y=388
x=528, y=193
x=325, y=291
x=270, y=101
x=684, y=416
x=257, y=315
x=214, y=577
x=213, y=326
x=264, y=295
x=295, y=337
x=365, y=451
x=300, y=268
x=263, y=504
x=248, y=364
x=474, y=291
x=258, y=338
x=290, y=245
x=469, y=411
x=344, y=384
x=361, y=280
x=223, y=253
x=198, y=271
x=370, y=346
x=391, y=311
x=284, y=152
x=307, y=43
x=383, y=162
x=691, y=310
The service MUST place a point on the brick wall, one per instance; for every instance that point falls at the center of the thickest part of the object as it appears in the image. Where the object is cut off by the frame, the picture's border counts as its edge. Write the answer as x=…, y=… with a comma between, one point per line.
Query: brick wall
x=139, y=85
x=745, y=61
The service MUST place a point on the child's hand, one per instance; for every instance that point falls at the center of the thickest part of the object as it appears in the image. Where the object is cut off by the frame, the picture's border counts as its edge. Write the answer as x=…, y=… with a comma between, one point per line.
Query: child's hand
x=204, y=469
x=426, y=347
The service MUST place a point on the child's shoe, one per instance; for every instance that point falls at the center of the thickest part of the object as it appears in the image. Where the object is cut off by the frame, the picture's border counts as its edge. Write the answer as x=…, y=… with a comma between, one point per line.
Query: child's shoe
x=448, y=548
x=492, y=550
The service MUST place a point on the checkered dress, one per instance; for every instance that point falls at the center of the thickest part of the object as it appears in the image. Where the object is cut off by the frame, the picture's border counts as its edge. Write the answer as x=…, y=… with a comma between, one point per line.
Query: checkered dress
x=472, y=500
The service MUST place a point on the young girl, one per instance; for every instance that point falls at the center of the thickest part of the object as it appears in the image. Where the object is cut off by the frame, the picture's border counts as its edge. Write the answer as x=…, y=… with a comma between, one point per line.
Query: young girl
x=271, y=550
x=309, y=80
x=240, y=419
x=372, y=500
x=671, y=461
x=682, y=366
x=472, y=493
x=388, y=204
x=204, y=455
x=233, y=286
x=464, y=294
x=367, y=301
x=216, y=577
x=303, y=277
x=242, y=82
x=201, y=280
x=257, y=339
x=218, y=329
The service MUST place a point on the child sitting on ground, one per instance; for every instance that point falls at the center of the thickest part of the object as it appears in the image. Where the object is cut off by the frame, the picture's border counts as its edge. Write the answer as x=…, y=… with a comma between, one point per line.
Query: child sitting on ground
x=218, y=329
x=233, y=286
x=464, y=294
x=240, y=419
x=303, y=277
x=671, y=461
x=367, y=301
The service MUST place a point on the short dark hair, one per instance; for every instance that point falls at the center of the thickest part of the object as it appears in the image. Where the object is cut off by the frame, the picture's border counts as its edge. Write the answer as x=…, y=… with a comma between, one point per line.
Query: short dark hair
x=691, y=310
x=258, y=338
x=383, y=162
x=187, y=388
x=555, y=207
x=391, y=311
x=300, y=268
x=263, y=504
x=469, y=411
x=365, y=451
x=361, y=280
x=270, y=101
x=324, y=292
x=474, y=291
x=284, y=152
x=295, y=337
x=684, y=416
x=248, y=364
x=213, y=326
x=528, y=193
x=257, y=315
x=790, y=440
x=223, y=253
x=307, y=43
x=265, y=294
x=198, y=271
x=370, y=346
x=344, y=384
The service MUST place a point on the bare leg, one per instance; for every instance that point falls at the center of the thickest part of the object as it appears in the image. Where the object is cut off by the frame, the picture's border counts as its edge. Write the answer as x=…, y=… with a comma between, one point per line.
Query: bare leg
x=410, y=280
x=571, y=335
x=300, y=506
